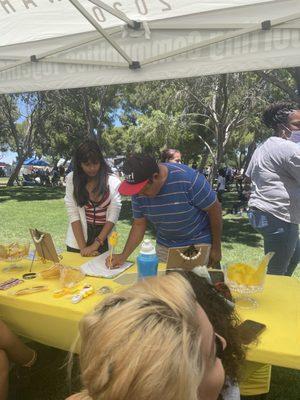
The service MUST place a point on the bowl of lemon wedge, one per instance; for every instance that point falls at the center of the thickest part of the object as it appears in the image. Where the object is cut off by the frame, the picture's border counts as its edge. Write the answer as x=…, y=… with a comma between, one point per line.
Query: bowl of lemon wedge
x=247, y=279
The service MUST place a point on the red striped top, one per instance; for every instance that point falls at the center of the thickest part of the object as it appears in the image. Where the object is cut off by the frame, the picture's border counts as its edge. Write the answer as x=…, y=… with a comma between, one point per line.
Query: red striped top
x=96, y=212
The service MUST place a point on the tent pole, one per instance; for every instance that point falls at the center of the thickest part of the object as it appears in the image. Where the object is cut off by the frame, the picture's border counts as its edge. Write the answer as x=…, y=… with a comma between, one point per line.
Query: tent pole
x=25, y=60
x=102, y=32
x=72, y=45
x=15, y=64
x=84, y=62
x=264, y=25
x=119, y=14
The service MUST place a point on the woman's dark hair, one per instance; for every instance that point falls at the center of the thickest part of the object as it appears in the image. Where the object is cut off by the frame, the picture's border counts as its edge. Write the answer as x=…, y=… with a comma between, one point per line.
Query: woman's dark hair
x=89, y=151
x=277, y=114
x=223, y=319
x=168, y=154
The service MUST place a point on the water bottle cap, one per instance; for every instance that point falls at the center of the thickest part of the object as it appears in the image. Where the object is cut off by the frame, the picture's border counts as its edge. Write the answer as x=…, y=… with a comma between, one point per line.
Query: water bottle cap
x=147, y=247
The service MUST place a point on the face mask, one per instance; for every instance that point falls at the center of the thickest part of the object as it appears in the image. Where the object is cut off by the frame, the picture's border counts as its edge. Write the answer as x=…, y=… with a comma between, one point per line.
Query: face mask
x=295, y=136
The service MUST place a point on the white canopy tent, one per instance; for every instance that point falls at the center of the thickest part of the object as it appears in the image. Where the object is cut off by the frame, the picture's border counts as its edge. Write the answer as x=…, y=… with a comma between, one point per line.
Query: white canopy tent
x=55, y=44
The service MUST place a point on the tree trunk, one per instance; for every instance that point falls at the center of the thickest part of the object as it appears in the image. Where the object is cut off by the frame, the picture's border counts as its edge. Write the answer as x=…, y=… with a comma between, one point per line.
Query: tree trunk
x=220, y=153
x=88, y=116
x=204, y=158
x=251, y=149
x=16, y=171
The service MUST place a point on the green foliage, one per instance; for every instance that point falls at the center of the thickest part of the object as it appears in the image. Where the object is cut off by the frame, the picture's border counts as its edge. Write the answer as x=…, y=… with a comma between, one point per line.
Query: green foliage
x=211, y=119
x=155, y=131
x=115, y=141
x=76, y=115
x=9, y=113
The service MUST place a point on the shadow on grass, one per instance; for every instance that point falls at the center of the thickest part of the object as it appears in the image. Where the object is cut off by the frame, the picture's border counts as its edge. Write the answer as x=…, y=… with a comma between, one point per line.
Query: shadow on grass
x=238, y=230
x=31, y=193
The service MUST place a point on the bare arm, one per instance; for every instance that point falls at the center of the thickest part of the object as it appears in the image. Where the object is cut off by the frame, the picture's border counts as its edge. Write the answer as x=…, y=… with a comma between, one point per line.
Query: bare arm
x=107, y=228
x=215, y=219
x=78, y=233
x=73, y=213
x=135, y=237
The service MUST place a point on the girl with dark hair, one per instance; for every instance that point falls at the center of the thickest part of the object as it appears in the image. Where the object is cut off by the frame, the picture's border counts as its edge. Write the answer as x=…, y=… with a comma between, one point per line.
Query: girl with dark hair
x=92, y=200
x=225, y=321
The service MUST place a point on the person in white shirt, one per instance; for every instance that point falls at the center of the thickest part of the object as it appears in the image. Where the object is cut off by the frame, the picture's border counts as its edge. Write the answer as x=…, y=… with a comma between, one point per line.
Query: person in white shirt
x=274, y=171
x=92, y=200
x=221, y=182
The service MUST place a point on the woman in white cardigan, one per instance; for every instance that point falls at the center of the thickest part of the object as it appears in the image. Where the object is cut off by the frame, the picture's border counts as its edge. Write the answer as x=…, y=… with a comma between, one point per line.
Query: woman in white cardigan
x=92, y=200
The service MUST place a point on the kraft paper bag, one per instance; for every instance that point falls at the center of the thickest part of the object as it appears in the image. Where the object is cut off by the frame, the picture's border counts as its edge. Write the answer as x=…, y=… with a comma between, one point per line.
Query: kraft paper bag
x=44, y=245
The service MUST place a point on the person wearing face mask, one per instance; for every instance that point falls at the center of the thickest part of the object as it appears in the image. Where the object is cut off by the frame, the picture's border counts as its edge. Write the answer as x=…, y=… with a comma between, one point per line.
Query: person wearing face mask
x=92, y=200
x=274, y=205
x=295, y=136
x=151, y=341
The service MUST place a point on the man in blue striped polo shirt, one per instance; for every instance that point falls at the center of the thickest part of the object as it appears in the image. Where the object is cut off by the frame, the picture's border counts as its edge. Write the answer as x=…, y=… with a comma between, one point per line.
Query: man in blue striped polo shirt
x=179, y=202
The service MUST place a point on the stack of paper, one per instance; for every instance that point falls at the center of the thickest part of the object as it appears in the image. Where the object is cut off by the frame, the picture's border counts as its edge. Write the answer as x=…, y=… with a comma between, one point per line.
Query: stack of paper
x=97, y=267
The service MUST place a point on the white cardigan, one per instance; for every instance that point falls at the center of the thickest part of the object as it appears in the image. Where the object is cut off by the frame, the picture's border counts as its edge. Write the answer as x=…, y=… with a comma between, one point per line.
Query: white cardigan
x=76, y=213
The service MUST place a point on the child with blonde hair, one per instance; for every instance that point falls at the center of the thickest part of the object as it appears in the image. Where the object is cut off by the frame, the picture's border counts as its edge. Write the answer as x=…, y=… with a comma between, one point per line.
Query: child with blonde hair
x=152, y=341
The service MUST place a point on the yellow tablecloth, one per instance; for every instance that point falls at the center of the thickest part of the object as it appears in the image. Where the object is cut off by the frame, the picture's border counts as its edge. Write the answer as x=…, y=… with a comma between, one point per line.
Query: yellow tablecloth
x=54, y=321
x=279, y=310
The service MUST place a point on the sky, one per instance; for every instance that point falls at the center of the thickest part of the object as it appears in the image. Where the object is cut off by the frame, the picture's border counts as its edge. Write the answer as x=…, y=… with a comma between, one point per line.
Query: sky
x=7, y=156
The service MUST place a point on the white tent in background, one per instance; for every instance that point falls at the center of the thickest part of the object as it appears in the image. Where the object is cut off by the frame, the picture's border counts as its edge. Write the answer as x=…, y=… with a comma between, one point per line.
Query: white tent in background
x=54, y=44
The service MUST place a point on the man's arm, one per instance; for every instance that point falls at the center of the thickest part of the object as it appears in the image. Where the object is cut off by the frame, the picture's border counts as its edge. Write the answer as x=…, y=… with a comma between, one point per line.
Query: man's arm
x=135, y=237
x=215, y=219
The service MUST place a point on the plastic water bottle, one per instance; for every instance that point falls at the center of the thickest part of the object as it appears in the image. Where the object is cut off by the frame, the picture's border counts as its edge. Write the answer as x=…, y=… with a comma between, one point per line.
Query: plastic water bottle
x=147, y=260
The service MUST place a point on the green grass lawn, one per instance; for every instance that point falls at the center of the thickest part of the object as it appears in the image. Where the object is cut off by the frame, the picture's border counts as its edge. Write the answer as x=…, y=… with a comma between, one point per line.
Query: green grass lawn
x=3, y=181
x=22, y=208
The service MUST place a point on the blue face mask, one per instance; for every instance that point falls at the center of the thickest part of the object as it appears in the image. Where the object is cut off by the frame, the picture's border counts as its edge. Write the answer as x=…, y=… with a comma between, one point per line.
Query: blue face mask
x=295, y=137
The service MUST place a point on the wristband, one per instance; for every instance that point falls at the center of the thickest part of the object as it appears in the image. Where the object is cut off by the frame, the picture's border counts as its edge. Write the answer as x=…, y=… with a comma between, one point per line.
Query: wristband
x=99, y=241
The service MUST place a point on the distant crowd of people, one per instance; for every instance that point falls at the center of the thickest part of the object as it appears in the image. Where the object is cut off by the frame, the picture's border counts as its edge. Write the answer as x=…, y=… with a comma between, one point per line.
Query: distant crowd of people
x=44, y=176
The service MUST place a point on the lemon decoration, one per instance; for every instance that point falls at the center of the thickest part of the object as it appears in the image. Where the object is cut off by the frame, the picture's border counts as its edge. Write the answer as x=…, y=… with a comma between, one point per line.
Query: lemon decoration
x=248, y=275
x=113, y=239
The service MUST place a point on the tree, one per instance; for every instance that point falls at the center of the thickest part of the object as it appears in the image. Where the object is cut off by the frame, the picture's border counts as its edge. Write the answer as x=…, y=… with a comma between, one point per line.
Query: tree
x=153, y=116
x=218, y=106
x=287, y=80
x=77, y=115
x=115, y=141
x=21, y=136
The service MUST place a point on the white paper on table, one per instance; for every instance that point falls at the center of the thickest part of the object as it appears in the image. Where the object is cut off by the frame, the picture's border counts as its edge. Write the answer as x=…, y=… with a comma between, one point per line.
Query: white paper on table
x=97, y=267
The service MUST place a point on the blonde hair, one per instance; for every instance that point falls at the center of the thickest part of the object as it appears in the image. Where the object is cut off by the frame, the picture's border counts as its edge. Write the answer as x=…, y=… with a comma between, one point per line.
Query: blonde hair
x=143, y=343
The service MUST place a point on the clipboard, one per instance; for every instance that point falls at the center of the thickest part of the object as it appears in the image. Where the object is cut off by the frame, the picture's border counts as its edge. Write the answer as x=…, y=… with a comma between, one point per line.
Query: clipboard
x=44, y=245
x=188, y=257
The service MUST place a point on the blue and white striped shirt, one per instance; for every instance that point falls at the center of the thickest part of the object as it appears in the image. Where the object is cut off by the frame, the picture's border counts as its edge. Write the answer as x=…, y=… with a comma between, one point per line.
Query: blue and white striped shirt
x=177, y=210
